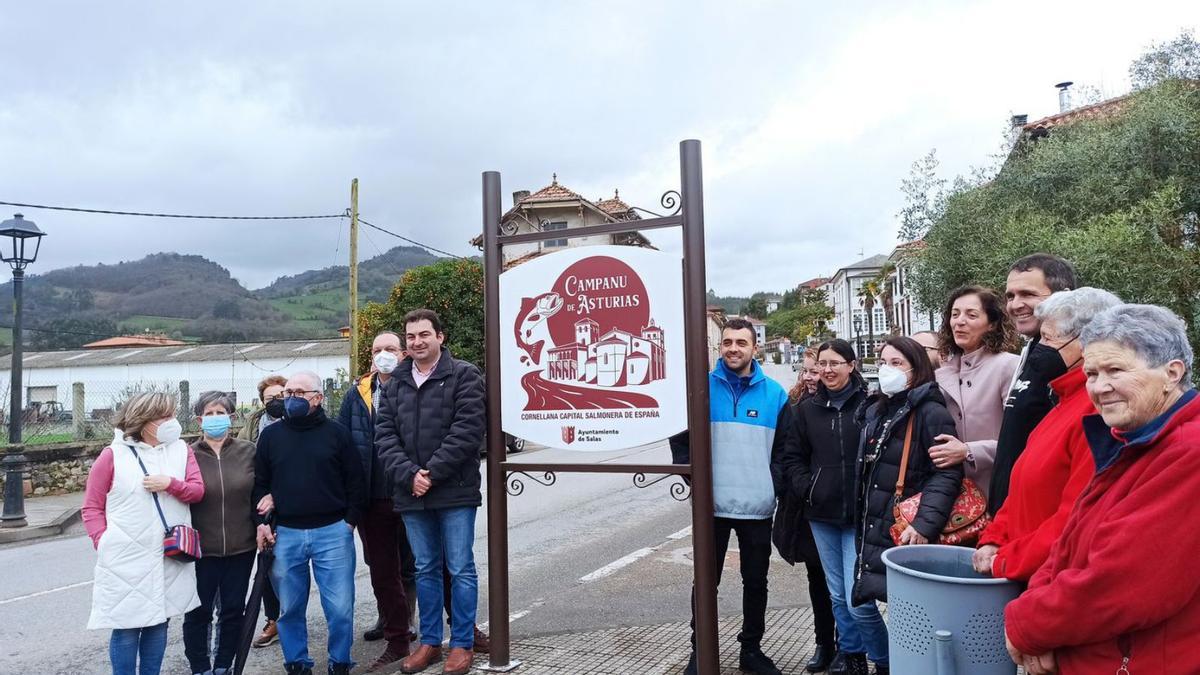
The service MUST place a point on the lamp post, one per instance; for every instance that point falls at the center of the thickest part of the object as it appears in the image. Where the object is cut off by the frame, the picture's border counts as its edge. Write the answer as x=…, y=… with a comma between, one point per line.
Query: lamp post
x=858, y=339
x=18, y=251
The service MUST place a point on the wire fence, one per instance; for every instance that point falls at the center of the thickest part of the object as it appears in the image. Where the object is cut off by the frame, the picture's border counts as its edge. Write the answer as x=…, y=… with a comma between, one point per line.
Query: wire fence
x=68, y=412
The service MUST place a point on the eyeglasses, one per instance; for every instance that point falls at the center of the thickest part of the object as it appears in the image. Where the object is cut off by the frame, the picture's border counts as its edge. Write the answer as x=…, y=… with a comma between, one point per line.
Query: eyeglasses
x=300, y=392
x=822, y=365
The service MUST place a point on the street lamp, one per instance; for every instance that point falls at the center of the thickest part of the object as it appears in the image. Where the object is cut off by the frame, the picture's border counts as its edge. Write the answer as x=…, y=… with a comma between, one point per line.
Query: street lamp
x=858, y=339
x=18, y=251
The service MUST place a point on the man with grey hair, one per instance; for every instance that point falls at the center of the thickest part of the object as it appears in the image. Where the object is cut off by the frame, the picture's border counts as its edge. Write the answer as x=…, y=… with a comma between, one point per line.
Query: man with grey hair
x=309, y=465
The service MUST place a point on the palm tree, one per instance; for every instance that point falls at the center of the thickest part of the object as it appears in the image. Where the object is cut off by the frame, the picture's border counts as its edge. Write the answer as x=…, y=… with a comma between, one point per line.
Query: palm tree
x=866, y=297
x=883, y=281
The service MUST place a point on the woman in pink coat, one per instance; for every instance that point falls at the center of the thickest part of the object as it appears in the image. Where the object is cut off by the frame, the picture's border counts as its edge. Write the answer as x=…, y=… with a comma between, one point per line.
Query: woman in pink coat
x=977, y=368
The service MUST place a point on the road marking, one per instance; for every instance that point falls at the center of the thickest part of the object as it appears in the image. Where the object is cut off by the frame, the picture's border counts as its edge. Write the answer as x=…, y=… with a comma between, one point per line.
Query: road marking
x=512, y=617
x=682, y=534
x=39, y=593
x=615, y=565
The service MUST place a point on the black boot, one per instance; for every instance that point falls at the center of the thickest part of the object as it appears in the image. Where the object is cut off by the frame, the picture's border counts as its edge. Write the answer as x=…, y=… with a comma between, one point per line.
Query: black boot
x=882, y=670
x=821, y=659
x=840, y=664
x=753, y=660
x=374, y=632
x=856, y=664
x=297, y=669
x=339, y=669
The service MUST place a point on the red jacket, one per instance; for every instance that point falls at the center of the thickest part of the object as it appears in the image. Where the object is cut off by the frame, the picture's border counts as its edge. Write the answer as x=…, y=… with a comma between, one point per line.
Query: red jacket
x=1125, y=567
x=1048, y=477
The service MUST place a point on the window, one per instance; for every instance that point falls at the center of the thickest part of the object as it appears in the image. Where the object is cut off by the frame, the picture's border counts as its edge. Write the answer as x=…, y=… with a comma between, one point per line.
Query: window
x=555, y=243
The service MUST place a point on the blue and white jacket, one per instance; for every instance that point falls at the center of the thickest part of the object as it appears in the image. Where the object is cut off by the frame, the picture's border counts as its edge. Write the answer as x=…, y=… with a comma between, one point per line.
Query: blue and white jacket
x=745, y=413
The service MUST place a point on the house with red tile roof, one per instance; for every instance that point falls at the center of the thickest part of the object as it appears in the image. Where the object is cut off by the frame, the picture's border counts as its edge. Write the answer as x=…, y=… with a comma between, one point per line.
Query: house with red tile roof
x=557, y=207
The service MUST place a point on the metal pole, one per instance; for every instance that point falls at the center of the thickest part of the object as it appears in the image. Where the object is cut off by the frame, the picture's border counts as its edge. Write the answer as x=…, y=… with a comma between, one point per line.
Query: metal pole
x=14, y=461
x=497, y=495
x=353, y=370
x=700, y=441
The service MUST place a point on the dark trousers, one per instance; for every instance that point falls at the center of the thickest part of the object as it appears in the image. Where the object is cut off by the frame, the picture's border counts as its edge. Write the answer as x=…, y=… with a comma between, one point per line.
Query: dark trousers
x=221, y=583
x=754, y=546
x=270, y=601
x=822, y=604
x=382, y=533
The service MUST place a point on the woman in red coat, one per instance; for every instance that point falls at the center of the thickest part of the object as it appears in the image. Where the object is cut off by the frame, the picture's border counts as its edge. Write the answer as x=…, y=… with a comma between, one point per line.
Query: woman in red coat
x=1119, y=591
x=1057, y=463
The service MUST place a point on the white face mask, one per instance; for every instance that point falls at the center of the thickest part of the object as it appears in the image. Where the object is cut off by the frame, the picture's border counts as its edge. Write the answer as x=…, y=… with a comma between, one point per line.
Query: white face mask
x=386, y=362
x=169, y=432
x=892, y=380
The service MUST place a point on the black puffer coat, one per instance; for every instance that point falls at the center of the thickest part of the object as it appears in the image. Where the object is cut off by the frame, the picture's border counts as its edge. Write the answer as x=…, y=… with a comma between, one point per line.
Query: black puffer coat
x=884, y=424
x=792, y=536
x=438, y=427
x=818, y=463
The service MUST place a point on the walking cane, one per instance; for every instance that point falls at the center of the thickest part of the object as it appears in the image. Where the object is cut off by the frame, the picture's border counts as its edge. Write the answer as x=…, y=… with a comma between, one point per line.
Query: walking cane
x=265, y=558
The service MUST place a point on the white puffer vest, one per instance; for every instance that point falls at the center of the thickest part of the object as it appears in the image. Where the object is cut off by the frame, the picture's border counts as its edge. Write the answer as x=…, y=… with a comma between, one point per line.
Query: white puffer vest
x=135, y=584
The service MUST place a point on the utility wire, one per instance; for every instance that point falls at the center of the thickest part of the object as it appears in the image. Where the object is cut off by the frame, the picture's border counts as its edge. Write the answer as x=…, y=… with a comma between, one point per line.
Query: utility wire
x=167, y=215
x=411, y=241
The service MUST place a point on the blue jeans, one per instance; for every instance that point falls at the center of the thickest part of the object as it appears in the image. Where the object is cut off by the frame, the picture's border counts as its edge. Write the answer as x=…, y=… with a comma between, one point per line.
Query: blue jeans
x=330, y=550
x=128, y=646
x=437, y=536
x=859, y=628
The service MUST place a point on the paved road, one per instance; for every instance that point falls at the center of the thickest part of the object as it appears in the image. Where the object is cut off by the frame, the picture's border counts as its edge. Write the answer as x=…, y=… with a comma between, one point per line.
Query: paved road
x=590, y=551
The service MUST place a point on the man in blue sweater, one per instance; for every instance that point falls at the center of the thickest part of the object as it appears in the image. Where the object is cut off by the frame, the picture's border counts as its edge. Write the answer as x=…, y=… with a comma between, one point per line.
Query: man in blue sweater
x=309, y=466
x=746, y=408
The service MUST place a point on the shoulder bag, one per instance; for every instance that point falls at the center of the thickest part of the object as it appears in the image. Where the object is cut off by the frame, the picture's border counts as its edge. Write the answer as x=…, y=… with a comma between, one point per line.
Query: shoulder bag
x=968, y=517
x=181, y=542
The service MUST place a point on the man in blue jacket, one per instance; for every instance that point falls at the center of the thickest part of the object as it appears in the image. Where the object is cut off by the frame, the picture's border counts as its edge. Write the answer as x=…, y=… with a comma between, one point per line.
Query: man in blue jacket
x=385, y=543
x=746, y=409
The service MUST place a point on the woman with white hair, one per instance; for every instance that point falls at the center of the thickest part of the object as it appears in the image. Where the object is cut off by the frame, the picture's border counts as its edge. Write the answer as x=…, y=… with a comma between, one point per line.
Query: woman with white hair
x=1119, y=591
x=1057, y=462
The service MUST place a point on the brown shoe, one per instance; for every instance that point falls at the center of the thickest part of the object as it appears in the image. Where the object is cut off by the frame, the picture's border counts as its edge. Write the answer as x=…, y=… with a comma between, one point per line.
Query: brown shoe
x=268, y=636
x=482, y=643
x=458, y=662
x=421, y=659
x=394, y=652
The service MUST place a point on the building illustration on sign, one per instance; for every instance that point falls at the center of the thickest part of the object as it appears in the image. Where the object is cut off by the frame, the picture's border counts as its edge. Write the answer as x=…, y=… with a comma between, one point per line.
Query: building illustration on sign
x=615, y=359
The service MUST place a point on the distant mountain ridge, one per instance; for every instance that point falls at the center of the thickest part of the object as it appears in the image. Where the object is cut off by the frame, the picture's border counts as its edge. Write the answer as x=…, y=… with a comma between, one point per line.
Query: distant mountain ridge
x=189, y=296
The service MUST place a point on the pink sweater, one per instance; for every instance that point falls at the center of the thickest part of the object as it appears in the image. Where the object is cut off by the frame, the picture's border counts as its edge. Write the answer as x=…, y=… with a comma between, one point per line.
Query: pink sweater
x=95, y=496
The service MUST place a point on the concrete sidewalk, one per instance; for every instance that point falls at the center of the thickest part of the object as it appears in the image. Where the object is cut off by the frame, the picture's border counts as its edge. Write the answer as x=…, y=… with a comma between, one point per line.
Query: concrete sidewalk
x=47, y=516
x=661, y=649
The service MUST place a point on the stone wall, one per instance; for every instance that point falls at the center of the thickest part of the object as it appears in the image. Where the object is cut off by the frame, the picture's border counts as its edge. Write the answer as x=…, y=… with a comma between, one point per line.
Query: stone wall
x=58, y=468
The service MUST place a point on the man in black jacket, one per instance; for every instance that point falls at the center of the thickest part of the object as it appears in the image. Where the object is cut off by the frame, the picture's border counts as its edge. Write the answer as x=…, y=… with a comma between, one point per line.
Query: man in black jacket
x=429, y=429
x=309, y=467
x=384, y=541
x=1031, y=280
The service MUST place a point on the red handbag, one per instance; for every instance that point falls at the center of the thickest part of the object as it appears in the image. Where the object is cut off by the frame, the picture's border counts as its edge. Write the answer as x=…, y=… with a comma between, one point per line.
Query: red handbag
x=968, y=517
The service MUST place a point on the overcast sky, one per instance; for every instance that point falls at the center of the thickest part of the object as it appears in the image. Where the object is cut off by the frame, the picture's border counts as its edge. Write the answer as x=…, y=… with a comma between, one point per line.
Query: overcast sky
x=810, y=115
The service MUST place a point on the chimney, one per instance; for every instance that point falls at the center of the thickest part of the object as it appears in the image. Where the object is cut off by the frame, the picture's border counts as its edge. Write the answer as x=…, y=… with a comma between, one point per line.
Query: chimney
x=1064, y=96
x=519, y=195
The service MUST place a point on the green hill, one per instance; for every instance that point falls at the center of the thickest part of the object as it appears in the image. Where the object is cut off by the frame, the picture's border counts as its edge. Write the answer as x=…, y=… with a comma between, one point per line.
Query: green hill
x=189, y=296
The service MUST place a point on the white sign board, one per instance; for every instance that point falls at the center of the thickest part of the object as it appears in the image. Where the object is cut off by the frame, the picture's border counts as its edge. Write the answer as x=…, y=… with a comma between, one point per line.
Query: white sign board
x=592, y=348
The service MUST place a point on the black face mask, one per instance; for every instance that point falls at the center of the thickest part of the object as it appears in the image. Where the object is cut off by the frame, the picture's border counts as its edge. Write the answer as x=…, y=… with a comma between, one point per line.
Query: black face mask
x=1048, y=360
x=274, y=408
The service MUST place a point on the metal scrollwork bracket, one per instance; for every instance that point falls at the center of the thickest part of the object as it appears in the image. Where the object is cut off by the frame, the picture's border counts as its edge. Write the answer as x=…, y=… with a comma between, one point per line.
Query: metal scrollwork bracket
x=516, y=486
x=670, y=200
x=680, y=491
